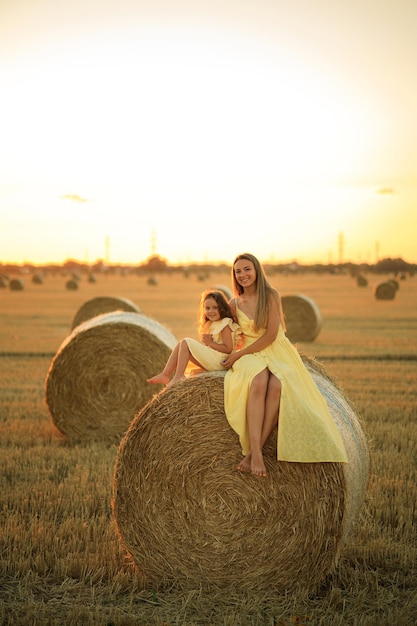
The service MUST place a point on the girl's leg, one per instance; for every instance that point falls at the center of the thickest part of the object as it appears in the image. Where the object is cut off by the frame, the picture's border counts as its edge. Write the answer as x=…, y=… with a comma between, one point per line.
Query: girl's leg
x=255, y=415
x=184, y=356
x=163, y=377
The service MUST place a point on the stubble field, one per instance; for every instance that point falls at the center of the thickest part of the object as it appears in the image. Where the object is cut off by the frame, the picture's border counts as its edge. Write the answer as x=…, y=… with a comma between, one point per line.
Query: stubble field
x=61, y=561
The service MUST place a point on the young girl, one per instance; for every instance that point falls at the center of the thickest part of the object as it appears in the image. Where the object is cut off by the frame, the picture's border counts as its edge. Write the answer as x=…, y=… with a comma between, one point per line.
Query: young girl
x=267, y=378
x=219, y=335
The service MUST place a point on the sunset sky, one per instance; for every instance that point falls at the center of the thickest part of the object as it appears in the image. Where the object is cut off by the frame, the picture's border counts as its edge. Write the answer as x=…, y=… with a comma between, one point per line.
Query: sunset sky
x=197, y=130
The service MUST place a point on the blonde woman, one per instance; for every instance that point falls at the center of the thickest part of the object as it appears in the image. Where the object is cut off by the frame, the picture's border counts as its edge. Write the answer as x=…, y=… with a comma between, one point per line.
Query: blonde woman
x=267, y=383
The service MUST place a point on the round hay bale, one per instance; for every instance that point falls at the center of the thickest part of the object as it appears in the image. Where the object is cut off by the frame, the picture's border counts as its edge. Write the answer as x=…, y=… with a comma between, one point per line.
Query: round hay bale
x=37, y=279
x=302, y=317
x=100, y=305
x=385, y=291
x=72, y=284
x=189, y=519
x=92, y=278
x=394, y=282
x=4, y=282
x=96, y=382
x=227, y=292
x=361, y=281
x=16, y=284
x=152, y=281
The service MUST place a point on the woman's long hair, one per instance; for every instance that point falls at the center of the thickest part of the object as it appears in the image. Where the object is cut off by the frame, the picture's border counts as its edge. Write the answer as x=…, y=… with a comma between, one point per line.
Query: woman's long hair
x=264, y=291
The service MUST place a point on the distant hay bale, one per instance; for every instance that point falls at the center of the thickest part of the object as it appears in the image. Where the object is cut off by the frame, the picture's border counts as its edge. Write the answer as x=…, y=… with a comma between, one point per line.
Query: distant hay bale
x=72, y=284
x=96, y=382
x=394, y=282
x=226, y=291
x=4, y=282
x=16, y=284
x=361, y=281
x=303, y=318
x=38, y=279
x=385, y=291
x=100, y=305
x=188, y=518
x=92, y=278
x=152, y=281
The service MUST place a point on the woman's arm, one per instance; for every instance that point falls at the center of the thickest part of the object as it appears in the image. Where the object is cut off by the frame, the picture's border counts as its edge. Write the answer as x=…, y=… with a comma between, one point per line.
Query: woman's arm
x=263, y=342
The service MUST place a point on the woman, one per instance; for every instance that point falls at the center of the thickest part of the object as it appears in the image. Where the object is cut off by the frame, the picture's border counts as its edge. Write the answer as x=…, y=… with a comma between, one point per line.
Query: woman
x=267, y=379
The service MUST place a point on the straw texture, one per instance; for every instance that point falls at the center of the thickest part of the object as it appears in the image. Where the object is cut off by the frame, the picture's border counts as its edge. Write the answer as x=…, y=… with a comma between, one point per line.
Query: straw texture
x=100, y=305
x=302, y=317
x=189, y=519
x=96, y=382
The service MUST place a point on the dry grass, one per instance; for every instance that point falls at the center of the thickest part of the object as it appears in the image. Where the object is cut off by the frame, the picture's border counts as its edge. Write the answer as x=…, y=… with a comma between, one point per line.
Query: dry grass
x=61, y=560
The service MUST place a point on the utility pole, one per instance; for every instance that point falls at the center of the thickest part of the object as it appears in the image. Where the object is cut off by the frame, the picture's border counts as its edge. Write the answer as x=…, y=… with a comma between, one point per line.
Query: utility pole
x=107, y=248
x=153, y=243
x=341, y=241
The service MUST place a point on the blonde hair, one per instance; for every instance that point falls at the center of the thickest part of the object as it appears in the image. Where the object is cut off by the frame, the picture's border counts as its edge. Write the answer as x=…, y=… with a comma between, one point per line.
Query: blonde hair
x=264, y=291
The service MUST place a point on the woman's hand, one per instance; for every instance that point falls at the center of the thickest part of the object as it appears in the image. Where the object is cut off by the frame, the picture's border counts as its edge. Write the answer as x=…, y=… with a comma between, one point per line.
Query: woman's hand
x=230, y=359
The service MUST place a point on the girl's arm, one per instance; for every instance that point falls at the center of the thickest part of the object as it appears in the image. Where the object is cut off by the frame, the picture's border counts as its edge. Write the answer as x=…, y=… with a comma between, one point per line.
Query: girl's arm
x=226, y=346
x=263, y=342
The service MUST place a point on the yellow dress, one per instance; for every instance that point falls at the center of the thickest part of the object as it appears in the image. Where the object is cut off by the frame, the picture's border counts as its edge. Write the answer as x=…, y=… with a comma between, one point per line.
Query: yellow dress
x=209, y=358
x=306, y=430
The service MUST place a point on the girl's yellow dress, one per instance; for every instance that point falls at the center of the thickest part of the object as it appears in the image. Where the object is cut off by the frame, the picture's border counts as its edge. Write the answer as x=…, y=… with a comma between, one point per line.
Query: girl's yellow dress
x=209, y=358
x=306, y=430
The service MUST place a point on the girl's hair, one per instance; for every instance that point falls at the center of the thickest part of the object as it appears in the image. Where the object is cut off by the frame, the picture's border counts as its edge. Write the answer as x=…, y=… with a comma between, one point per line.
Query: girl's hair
x=264, y=291
x=219, y=297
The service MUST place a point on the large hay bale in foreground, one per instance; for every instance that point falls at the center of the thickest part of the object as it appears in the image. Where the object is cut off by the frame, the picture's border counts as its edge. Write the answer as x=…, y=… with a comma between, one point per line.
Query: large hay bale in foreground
x=385, y=290
x=100, y=305
x=189, y=519
x=96, y=382
x=302, y=317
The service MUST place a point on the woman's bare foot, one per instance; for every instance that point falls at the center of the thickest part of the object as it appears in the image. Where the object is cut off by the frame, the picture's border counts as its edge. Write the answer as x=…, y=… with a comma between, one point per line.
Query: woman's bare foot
x=245, y=464
x=159, y=379
x=257, y=464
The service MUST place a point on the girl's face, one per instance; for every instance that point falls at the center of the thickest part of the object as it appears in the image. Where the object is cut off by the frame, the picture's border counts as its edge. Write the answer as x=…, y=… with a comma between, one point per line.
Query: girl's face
x=211, y=309
x=245, y=273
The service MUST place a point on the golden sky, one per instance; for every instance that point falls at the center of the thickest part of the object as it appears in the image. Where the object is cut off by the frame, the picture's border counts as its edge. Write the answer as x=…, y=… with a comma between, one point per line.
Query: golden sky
x=202, y=129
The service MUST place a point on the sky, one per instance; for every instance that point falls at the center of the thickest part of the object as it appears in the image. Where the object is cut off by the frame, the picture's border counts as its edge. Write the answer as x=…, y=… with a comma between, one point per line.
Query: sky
x=200, y=129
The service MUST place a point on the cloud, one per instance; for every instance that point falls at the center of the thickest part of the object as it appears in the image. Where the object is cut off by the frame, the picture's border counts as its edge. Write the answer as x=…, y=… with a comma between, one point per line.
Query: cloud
x=74, y=197
x=386, y=191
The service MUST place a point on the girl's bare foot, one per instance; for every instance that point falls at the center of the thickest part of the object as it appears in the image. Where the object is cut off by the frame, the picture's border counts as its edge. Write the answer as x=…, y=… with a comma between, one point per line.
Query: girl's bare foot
x=257, y=464
x=245, y=464
x=159, y=379
x=176, y=379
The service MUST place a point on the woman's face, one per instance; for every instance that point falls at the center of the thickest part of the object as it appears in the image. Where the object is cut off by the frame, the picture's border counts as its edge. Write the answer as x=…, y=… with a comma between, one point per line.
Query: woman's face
x=245, y=273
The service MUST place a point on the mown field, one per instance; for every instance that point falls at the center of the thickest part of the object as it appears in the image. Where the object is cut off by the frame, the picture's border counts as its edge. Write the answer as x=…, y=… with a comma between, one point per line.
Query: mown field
x=61, y=561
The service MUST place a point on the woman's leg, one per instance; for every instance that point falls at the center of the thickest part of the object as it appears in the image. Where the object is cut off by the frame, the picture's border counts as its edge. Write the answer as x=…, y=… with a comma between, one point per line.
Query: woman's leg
x=255, y=415
x=272, y=402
